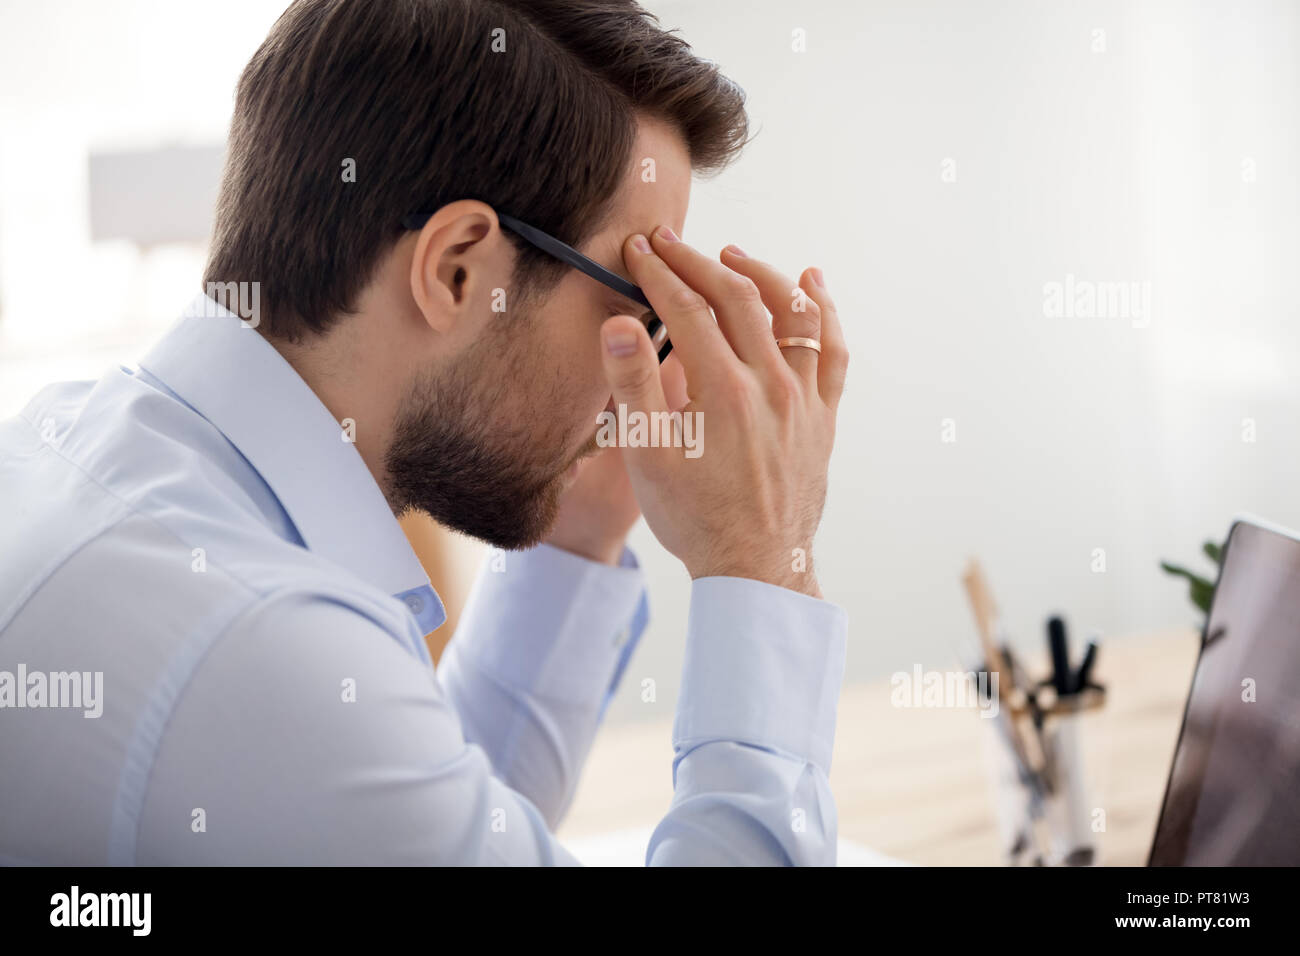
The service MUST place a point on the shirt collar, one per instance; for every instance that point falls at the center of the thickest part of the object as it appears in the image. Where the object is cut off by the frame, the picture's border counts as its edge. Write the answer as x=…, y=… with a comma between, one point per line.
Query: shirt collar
x=234, y=378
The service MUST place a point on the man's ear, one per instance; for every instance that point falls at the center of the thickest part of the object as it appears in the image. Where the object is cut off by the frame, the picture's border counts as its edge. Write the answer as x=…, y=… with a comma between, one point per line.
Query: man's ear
x=457, y=257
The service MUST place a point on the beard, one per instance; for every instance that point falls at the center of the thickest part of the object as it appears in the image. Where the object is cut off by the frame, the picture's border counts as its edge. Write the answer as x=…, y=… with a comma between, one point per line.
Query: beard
x=471, y=472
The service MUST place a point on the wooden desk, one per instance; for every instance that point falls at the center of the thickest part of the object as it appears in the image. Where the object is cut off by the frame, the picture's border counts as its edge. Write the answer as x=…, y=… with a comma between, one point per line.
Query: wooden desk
x=914, y=784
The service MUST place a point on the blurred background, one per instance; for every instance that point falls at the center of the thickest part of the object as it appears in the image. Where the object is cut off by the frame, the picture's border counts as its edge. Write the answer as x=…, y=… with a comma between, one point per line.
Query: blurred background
x=958, y=169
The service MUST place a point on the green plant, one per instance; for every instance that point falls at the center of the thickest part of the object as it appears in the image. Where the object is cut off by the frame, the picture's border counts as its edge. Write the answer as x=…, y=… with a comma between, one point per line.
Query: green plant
x=1202, y=589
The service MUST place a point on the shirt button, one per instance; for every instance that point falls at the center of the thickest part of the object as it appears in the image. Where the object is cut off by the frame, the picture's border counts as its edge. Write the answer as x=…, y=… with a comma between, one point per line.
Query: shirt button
x=415, y=603
x=621, y=637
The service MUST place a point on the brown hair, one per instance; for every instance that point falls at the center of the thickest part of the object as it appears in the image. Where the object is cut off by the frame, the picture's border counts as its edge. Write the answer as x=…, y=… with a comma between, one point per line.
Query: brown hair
x=412, y=91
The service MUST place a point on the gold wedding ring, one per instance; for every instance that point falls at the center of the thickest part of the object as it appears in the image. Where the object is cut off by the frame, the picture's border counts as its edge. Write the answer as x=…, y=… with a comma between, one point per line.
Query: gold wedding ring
x=801, y=343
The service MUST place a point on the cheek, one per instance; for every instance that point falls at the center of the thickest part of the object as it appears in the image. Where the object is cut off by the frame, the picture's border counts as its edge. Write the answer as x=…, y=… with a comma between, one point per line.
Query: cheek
x=576, y=357
x=586, y=391
x=559, y=384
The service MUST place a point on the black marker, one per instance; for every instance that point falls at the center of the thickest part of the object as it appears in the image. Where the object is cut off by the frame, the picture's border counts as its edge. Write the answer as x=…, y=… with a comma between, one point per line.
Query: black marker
x=1060, y=648
x=1085, y=669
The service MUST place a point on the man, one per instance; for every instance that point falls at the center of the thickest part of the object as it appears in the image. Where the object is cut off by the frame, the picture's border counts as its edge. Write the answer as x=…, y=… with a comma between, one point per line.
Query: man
x=214, y=532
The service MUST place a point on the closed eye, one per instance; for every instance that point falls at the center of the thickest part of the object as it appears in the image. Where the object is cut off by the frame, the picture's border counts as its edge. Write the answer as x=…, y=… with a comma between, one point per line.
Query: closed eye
x=639, y=313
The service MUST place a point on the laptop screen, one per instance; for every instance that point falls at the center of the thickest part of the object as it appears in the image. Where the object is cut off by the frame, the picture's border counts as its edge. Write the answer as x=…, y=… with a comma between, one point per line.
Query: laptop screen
x=1233, y=797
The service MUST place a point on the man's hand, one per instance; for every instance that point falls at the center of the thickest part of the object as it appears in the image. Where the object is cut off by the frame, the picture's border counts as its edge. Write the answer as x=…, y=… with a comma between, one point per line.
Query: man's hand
x=599, y=508
x=749, y=504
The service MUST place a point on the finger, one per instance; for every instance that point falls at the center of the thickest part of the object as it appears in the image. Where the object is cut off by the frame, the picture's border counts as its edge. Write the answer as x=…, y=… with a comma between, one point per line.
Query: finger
x=697, y=340
x=673, y=378
x=794, y=313
x=833, y=365
x=632, y=369
x=735, y=298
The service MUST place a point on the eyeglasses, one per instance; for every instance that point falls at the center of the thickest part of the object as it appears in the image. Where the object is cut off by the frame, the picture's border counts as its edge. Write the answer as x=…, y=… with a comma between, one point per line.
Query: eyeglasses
x=565, y=253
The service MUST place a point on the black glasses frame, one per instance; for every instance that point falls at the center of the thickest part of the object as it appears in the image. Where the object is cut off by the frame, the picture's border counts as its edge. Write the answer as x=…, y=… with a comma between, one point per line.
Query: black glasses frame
x=566, y=253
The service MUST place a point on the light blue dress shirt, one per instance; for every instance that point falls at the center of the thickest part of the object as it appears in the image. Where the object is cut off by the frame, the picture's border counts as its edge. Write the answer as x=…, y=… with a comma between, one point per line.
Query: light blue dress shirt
x=200, y=532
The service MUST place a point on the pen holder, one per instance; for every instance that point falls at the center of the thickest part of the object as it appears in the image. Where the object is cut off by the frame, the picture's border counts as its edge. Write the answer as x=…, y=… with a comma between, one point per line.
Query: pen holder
x=1071, y=839
x=1018, y=800
x=1039, y=780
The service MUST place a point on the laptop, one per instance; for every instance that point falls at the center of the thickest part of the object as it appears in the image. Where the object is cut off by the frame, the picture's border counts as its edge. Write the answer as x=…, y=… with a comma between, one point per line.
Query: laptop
x=1233, y=795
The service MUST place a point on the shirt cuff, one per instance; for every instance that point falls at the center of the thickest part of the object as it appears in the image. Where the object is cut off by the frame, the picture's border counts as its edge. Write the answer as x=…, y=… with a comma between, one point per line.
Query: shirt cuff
x=763, y=667
x=554, y=623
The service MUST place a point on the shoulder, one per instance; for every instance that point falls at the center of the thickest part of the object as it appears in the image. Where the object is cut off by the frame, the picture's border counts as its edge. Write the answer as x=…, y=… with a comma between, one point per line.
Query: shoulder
x=308, y=735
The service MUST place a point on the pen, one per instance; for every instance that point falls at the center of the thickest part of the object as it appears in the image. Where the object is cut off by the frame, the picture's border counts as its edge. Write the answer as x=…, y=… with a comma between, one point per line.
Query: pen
x=986, y=617
x=1085, y=669
x=982, y=606
x=1060, y=649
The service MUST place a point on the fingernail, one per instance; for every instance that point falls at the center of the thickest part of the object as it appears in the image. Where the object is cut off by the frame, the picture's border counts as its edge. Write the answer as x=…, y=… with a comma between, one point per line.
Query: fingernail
x=668, y=234
x=817, y=277
x=641, y=243
x=620, y=344
x=737, y=251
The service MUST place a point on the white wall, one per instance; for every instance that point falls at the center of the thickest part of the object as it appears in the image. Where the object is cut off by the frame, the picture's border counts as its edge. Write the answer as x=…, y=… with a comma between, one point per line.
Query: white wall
x=78, y=76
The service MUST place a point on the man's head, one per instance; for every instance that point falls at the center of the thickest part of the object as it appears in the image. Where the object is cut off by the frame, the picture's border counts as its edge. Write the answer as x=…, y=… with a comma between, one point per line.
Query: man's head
x=468, y=359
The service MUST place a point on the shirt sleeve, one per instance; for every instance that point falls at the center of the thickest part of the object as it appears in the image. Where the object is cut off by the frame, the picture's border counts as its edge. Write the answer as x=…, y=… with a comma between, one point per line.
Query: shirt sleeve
x=539, y=652
x=754, y=729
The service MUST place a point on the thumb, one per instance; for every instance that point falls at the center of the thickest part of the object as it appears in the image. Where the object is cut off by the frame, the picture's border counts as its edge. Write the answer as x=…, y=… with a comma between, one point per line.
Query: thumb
x=631, y=366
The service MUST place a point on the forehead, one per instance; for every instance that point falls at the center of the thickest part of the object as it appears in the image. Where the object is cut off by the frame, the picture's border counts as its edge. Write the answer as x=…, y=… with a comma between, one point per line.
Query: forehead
x=655, y=191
